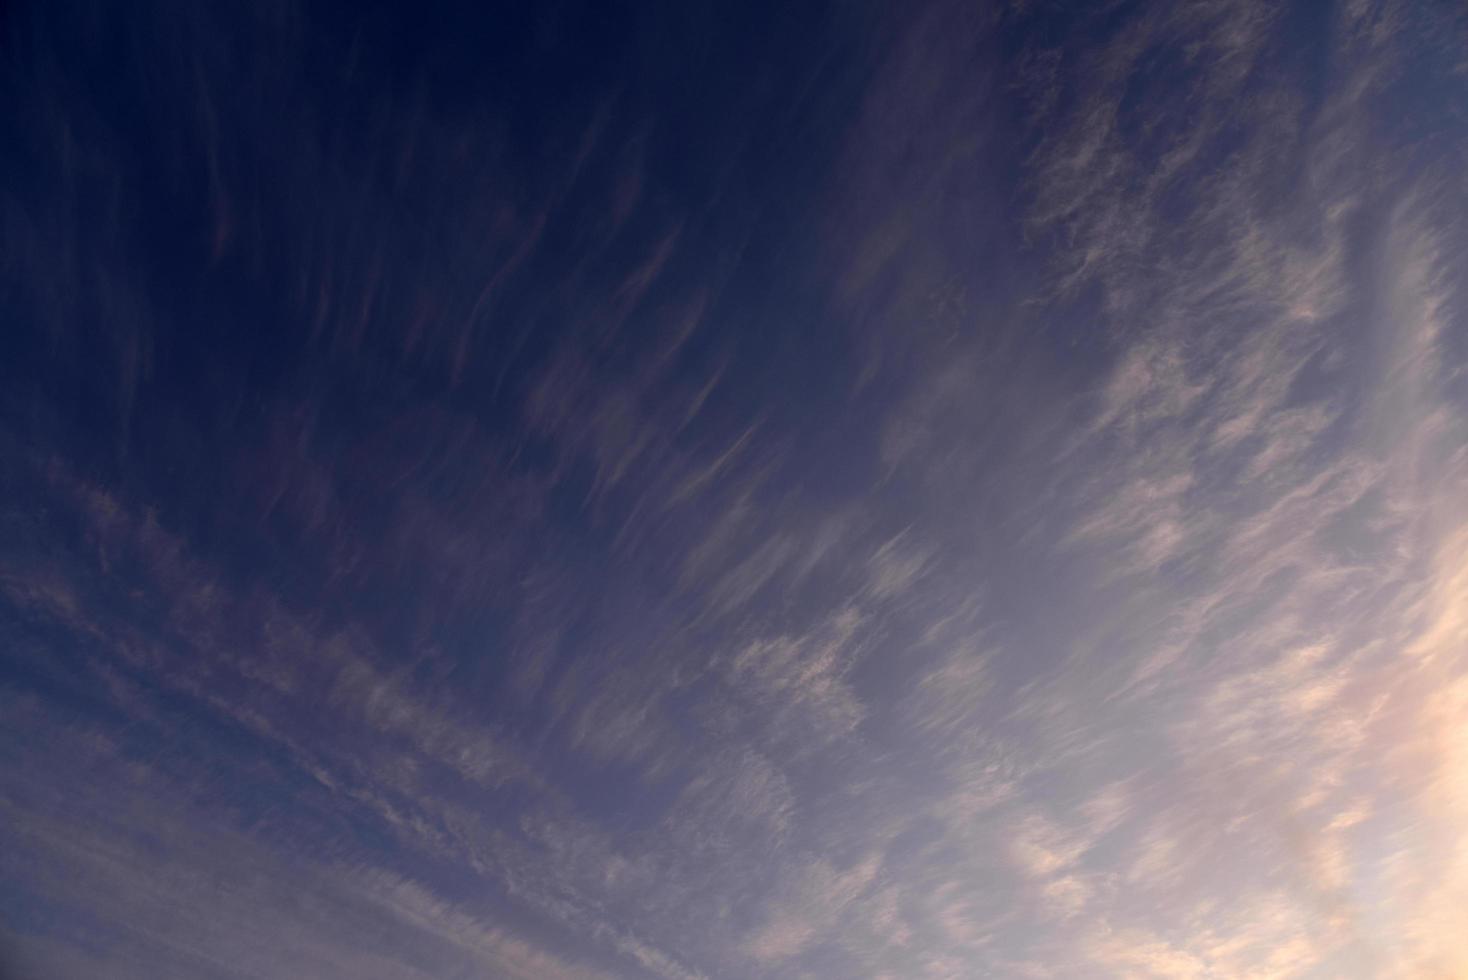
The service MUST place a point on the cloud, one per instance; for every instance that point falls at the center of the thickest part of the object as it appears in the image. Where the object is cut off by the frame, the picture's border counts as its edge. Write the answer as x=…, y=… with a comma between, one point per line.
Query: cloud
x=895, y=568
x=1077, y=507
x=740, y=799
x=816, y=896
x=128, y=842
x=801, y=678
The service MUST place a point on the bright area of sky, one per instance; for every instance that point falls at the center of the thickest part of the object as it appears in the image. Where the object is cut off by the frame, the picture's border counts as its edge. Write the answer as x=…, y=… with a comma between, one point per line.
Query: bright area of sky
x=734, y=490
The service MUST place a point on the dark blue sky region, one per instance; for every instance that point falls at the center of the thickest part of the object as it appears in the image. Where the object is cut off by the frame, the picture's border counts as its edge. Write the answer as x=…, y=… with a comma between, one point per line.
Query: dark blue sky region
x=810, y=491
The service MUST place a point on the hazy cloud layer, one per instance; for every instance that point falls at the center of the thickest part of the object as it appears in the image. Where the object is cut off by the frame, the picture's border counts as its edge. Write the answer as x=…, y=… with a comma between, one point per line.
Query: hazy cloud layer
x=912, y=491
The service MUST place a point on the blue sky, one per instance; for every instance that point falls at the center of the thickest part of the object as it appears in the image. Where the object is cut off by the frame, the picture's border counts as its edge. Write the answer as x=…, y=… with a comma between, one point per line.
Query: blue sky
x=742, y=491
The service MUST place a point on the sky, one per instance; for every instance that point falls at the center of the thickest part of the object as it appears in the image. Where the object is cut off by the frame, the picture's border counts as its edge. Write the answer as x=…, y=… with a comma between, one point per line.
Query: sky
x=608, y=491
